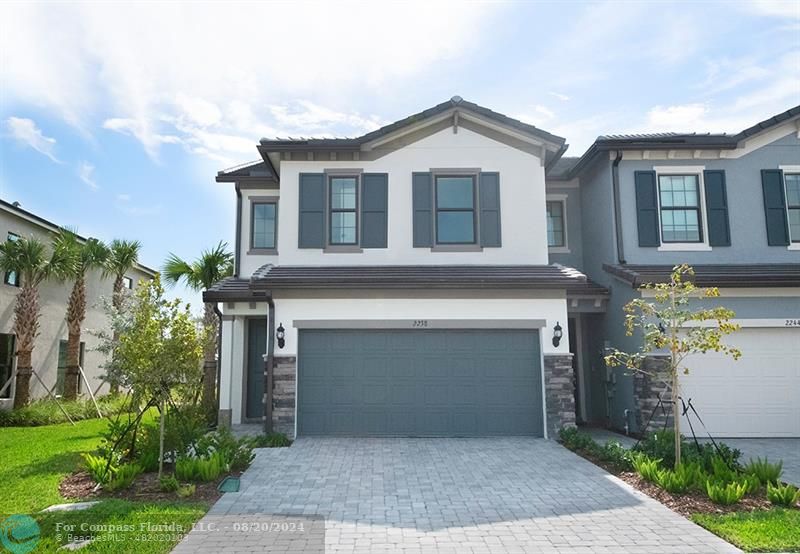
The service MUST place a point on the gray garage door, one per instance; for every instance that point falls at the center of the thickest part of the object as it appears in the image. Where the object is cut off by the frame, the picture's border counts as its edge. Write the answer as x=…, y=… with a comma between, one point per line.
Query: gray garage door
x=419, y=383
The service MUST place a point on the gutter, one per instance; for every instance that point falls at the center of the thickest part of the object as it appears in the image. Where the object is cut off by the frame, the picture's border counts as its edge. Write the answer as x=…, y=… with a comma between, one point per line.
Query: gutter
x=237, y=247
x=617, y=218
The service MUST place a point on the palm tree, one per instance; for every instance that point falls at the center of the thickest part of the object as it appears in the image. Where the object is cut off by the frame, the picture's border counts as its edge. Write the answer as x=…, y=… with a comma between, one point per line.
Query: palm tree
x=88, y=255
x=28, y=258
x=211, y=267
x=123, y=255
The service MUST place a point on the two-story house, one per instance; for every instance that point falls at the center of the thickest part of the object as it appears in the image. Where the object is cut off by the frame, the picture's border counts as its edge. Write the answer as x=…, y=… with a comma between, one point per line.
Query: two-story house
x=430, y=278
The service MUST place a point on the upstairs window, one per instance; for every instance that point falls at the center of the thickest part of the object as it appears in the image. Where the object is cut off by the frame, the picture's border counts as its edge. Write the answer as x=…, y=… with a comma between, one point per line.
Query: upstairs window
x=127, y=283
x=11, y=277
x=793, y=205
x=455, y=210
x=265, y=217
x=556, y=235
x=343, y=213
x=679, y=205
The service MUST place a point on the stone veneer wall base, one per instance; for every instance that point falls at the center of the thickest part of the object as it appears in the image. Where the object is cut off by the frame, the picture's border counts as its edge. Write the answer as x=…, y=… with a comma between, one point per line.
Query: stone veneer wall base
x=283, y=394
x=559, y=393
x=646, y=389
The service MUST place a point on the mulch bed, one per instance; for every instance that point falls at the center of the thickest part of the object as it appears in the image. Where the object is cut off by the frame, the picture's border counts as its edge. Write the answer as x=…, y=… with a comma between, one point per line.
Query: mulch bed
x=146, y=487
x=693, y=502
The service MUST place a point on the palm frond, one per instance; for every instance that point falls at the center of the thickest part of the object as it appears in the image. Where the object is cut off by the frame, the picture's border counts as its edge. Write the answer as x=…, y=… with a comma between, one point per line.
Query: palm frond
x=212, y=266
x=123, y=255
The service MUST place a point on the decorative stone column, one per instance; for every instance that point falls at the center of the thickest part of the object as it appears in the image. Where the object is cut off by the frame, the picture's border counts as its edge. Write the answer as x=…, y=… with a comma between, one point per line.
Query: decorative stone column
x=646, y=389
x=283, y=394
x=559, y=392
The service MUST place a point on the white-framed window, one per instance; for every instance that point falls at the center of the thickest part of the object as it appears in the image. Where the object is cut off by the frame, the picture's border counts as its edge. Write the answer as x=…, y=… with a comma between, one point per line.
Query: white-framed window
x=557, y=238
x=791, y=185
x=343, y=210
x=11, y=277
x=456, y=209
x=127, y=283
x=681, y=208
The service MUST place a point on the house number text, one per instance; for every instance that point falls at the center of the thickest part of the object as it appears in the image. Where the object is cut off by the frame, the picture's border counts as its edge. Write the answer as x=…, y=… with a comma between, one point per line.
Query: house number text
x=420, y=323
x=792, y=323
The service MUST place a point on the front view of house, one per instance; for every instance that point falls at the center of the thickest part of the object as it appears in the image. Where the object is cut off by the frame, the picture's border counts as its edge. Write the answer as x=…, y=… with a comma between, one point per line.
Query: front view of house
x=452, y=274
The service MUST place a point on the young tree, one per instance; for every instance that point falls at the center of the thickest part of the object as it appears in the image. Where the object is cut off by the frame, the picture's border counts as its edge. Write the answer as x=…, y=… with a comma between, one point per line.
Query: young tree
x=158, y=350
x=87, y=255
x=123, y=255
x=29, y=258
x=670, y=322
x=211, y=267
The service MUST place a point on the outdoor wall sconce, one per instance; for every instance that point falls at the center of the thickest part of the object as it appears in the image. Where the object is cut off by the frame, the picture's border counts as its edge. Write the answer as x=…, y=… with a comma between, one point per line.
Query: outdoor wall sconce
x=557, y=334
x=280, y=334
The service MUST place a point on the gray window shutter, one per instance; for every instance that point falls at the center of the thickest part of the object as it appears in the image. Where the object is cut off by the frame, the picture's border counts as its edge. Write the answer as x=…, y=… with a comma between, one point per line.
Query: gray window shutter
x=312, y=211
x=647, y=208
x=374, y=208
x=490, y=209
x=422, y=198
x=775, y=207
x=719, y=231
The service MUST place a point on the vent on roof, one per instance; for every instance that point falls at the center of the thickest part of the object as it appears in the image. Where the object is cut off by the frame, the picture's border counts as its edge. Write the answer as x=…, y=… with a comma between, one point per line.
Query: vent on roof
x=456, y=99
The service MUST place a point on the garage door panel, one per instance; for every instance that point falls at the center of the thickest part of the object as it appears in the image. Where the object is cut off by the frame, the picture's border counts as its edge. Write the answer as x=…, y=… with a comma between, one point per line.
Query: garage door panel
x=419, y=383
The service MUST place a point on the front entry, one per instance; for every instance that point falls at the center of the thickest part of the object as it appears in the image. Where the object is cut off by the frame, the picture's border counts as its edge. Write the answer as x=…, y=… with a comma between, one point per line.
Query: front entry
x=254, y=385
x=419, y=383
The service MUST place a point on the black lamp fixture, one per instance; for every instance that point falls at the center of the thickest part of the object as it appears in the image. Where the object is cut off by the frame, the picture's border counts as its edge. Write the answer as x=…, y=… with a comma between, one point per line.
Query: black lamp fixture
x=280, y=334
x=557, y=334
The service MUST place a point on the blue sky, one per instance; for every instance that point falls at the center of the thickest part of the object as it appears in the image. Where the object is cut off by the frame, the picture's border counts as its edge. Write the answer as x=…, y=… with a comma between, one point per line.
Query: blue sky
x=115, y=118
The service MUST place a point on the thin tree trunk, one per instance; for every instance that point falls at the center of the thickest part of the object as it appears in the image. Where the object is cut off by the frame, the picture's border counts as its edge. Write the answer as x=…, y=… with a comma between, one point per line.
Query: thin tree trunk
x=209, y=361
x=22, y=391
x=26, y=328
x=76, y=313
x=161, y=438
x=676, y=420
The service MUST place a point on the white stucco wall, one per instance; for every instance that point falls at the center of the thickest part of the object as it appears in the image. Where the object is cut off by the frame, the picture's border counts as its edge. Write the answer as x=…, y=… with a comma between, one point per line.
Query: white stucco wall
x=522, y=204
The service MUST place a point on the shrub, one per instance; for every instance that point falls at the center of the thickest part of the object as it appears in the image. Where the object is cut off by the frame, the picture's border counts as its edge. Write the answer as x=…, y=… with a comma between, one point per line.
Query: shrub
x=148, y=461
x=47, y=412
x=681, y=479
x=123, y=477
x=725, y=493
x=783, y=495
x=186, y=491
x=721, y=471
x=616, y=454
x=661, y=444
x=98, y=468
x=278, y=440
x=199, y=469
x=574, y=439
x=764, y=470
x=168, y=483
x=186, y=468
x=646, y=467
x=237, y=454
x=751, y=482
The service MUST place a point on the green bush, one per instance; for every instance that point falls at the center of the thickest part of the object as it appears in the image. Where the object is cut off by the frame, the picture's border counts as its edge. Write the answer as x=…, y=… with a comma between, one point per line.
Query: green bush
x=270, y=440
x=237, y=454
x=574, y=439
x=185, y=491
x=721, y=471
x=764, y=470
x=684, y=477
x=199, y=469
x=646, y=467
x=725, y=493
x=123, y=477
x=661, y=444
x=169, y=483
x=47, y=412
x=783, y=495
x=615, y=454
x=751, y=482
x=98, y=468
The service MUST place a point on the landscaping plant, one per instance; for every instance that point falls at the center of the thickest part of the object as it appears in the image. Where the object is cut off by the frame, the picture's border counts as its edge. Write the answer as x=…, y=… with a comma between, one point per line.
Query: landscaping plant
x=122, y=256
x=679, y=480
x=185, y=491
x=646, y=467
x=169, y=483
x=783, y=495
x=99, y=468
x=663, y=325
x=237, y=454
x=123, y=477
x=725, y=493
x=765, y=471
x=271, y=440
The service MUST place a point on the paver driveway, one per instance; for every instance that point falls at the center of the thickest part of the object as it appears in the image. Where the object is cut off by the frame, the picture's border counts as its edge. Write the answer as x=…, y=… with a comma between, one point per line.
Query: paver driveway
x=439, y=495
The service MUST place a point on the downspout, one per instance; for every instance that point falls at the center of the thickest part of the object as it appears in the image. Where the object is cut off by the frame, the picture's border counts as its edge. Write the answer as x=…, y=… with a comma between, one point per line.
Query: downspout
x=617, y=217
x=269, y=369
x=219, y=357
x=237, y=246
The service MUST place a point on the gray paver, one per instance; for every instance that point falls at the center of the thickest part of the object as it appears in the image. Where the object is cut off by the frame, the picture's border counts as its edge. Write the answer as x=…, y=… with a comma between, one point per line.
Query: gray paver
x=444, y=495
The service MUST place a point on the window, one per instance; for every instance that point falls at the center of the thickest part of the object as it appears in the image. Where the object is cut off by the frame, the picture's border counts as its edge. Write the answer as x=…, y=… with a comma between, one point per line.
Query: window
x=793, y=204
x=455, y=210
x=263, y=227
x=6, y=363
x=62, y=366
x=679, y=201
x=11, y=277
x=127, y=283
x=556, y=235
x=343, y=204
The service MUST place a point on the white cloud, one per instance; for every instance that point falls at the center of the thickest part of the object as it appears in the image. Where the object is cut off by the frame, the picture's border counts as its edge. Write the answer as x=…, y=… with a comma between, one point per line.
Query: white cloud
x=676, y=118
x=538, y=116
x=786, y=9
x=26, y=132
x=86, y=174
x=560, y=96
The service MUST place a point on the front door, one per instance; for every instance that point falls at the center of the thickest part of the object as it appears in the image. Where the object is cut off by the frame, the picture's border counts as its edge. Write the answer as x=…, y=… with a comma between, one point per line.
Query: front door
x=256, y=348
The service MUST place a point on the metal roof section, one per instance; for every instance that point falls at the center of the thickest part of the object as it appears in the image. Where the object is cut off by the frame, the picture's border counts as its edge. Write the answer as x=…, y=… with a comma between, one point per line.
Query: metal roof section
x=718, y=275
x=248, y=171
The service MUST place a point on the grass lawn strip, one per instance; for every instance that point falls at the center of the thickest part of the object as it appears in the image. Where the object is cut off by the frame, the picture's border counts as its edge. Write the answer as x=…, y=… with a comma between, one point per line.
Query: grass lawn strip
x=776, y=530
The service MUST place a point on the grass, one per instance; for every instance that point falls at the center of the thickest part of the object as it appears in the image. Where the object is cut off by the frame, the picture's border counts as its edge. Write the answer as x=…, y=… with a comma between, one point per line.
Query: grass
x=776, y=530
x=48, y=412
x=33, y=461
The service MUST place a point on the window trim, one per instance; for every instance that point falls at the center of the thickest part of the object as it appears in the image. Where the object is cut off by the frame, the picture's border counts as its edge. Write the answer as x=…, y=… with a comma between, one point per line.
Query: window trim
x=794, y=244
x=6, y=280
x=252, y=249
x=562, y=199
x=329, y=211
x=456, y=246
x=676, y=170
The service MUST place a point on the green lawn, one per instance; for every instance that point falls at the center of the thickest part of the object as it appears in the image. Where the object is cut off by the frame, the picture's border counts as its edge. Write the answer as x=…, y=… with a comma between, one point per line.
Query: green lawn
x=33, y=460
x=776, y=530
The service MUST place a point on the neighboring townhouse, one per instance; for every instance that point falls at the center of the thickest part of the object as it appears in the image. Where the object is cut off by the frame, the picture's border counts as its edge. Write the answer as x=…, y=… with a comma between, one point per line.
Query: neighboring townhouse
x=49, y=355
x=451, y=274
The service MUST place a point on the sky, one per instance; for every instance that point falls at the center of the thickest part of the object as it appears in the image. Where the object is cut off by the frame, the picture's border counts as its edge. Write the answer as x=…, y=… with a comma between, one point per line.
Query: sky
x=115, y=117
